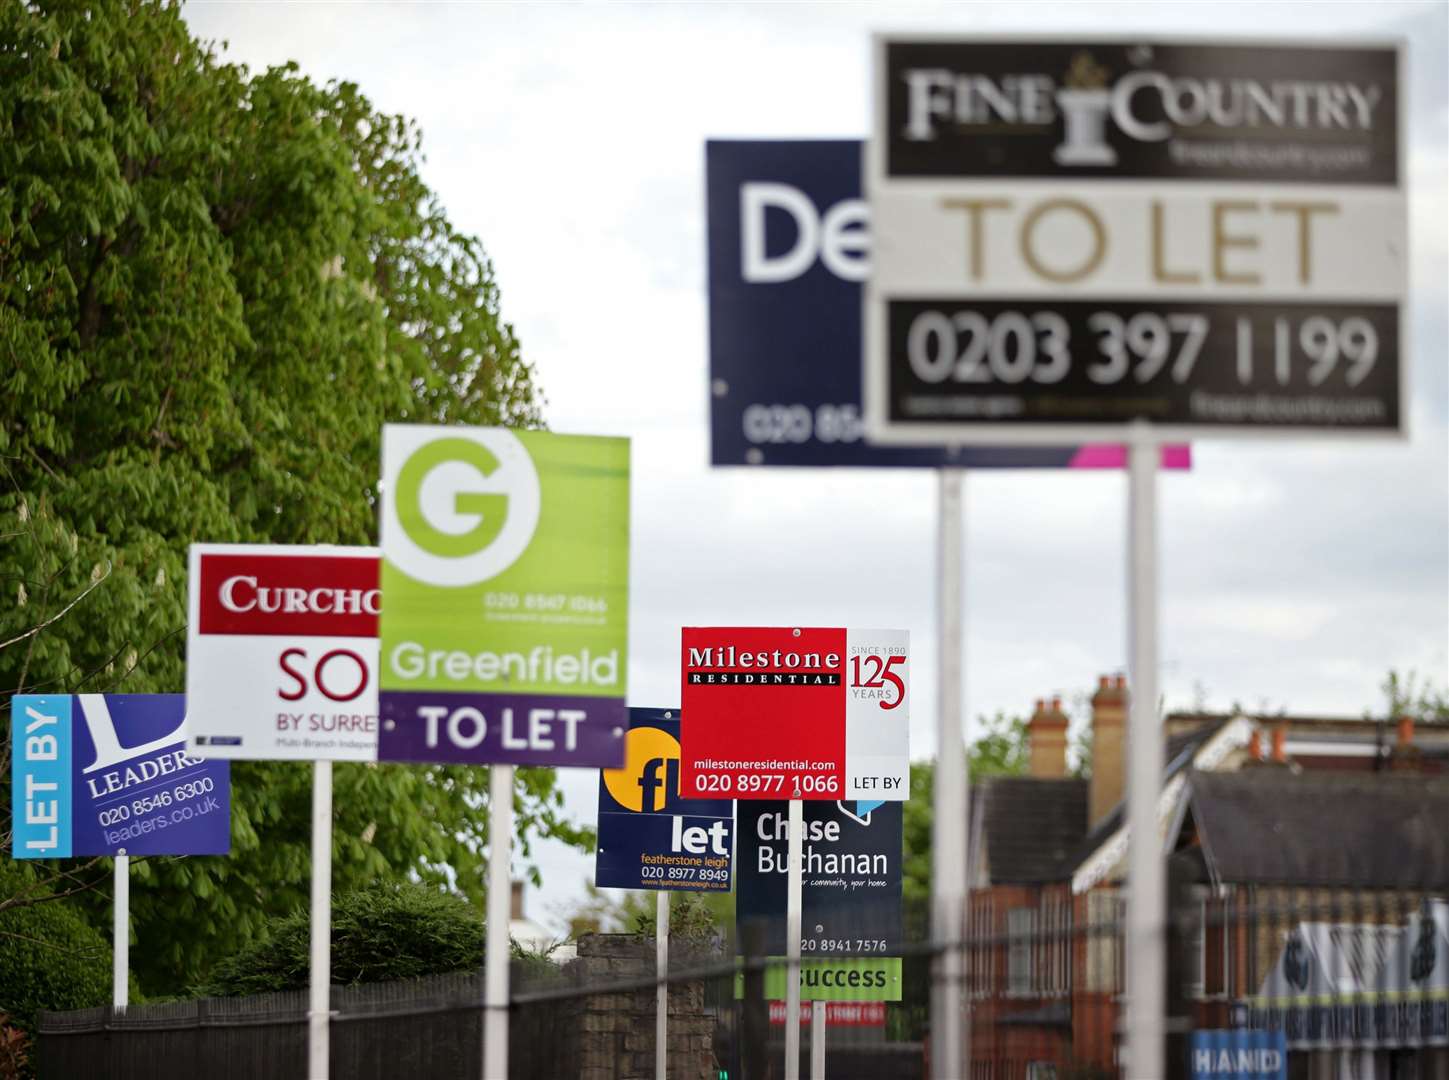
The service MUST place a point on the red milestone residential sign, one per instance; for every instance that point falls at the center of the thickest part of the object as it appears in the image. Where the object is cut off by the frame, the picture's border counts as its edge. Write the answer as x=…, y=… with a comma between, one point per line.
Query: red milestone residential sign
x=282, y=652
x=794, y=712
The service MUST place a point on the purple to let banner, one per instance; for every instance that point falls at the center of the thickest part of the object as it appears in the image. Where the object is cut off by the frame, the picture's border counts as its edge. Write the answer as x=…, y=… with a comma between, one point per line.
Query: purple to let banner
x=505, y=729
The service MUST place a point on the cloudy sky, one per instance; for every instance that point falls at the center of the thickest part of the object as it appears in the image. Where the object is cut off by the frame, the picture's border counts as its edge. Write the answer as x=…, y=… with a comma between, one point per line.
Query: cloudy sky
x=571, y=140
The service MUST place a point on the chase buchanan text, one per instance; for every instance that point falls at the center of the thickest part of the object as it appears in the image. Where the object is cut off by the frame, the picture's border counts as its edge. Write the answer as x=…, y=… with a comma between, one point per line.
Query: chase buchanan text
x=770, y=667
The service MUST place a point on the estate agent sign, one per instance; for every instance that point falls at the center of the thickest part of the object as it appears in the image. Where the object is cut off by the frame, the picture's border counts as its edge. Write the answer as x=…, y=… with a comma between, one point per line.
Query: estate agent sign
x=281, y=652
x=789, y=253
x=107, y=774
x=650, y=837
x=851, y=877
x=795, y=713
x=1072, y=236
x=505, y=573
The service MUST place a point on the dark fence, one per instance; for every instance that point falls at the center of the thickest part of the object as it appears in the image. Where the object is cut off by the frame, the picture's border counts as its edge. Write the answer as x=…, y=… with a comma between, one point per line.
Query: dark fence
x=1345, y=984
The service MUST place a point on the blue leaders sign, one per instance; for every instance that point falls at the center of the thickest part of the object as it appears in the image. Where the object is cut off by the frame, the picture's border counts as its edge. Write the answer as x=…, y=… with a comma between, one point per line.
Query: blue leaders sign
x=650, y=838
x=1239, y=1054
x=789, y=248
x=850, y=901
x=107, y=774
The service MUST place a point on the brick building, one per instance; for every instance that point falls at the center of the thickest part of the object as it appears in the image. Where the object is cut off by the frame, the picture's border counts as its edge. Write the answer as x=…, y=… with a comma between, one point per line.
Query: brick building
x=1323, y=838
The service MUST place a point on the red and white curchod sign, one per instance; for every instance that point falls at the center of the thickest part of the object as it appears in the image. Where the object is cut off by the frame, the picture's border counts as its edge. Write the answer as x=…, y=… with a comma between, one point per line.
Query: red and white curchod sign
x=282, y=652
x=795, y=712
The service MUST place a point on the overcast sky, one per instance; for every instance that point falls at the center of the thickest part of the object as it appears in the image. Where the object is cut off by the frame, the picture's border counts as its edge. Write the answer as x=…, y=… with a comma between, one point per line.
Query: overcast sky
x=570, y=139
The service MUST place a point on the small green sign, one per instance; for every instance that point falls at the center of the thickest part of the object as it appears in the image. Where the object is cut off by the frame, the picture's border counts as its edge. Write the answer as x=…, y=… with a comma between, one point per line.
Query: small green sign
x=858, y=978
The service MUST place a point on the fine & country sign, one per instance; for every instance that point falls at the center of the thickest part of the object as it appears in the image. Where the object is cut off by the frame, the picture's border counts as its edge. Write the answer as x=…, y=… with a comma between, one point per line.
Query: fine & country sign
x=505, y=574
x=1075, y=238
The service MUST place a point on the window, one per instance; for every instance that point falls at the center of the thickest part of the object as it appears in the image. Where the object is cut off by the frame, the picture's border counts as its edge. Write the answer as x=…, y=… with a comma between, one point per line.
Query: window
x=1020, y=923
x=1054, y=954
x=1104, y=941
x=1041, y=1070
x=1195, y=948
x=1217, y=954
x=981, y=948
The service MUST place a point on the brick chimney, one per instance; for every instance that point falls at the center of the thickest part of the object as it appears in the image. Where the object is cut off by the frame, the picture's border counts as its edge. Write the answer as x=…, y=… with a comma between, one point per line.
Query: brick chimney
x=1406, y=756
x=516, y=907
x=1109, y=720
x=1280, y=745
x=1047, y=740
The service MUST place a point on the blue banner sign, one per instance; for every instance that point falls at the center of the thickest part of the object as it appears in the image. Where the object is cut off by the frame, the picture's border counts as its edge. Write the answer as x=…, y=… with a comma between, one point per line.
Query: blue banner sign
x=1239, y=1054
x=789, y=251
x=650, y=838
x=108, y=774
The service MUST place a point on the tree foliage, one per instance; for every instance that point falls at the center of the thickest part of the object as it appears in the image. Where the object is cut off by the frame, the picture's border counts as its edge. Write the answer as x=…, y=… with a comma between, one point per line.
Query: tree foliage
x=379, y=934
x=1001, y=750
x=50, y=955
x=215, y=287
x=1409, y=695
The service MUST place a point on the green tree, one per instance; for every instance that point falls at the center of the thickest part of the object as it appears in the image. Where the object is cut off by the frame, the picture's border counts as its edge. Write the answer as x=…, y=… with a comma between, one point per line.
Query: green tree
x=379, y=934
x=51, y=956
x=215, y=287
x=1001, y=750
x=1420, y=699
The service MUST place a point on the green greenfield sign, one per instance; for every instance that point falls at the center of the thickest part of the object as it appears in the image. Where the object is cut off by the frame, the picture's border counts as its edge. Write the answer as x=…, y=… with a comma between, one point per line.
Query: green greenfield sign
x=864, y=978
x=505, y=596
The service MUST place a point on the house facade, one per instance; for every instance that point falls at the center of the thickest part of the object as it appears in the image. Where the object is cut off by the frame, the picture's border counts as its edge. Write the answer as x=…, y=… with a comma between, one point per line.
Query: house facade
x=1294, y=841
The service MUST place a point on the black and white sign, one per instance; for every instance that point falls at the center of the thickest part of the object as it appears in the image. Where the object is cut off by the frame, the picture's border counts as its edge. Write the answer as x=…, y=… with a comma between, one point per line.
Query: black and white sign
x=1074, y=238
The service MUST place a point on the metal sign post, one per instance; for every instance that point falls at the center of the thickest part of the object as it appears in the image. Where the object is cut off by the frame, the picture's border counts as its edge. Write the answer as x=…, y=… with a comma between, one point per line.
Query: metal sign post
x=1121, y=280
x=319, y=1009
x=950, y=803
x=1146, y=873
x=796, y=856
x=661, y=992
x=121, y=931
x=495, y=978
x=817, y=1039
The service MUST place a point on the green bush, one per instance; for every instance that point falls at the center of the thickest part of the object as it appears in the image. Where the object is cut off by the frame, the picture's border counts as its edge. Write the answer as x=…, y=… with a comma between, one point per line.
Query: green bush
x=50, y=956
x=379, y=934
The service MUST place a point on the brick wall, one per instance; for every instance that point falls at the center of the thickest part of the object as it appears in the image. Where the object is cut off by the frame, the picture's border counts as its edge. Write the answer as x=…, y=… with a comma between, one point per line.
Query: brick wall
x=616, y=1030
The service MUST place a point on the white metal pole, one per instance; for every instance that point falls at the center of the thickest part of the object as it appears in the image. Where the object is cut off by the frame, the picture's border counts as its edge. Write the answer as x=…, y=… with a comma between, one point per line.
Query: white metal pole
x=1146, y=881
x=817, y=1040
x=500, y=891
x=121, y=931
x=792, y=939
x=320, y=977
x=661, y=992
x=950, y=790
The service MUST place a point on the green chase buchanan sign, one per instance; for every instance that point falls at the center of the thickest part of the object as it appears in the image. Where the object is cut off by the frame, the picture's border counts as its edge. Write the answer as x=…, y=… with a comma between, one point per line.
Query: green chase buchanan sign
x=505, y=596
x=861, y=978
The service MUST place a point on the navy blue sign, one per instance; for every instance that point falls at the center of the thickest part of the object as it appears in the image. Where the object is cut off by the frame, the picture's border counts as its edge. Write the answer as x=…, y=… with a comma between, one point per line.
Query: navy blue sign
x=650, y=838
x=108, y=774
x=1239, y=1054
x=789, y=248
x=851, y=895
